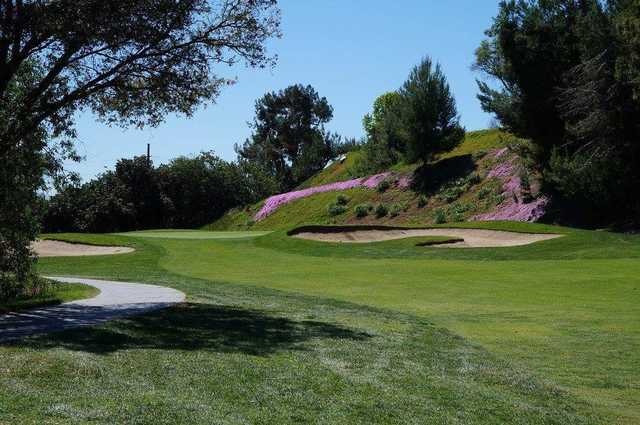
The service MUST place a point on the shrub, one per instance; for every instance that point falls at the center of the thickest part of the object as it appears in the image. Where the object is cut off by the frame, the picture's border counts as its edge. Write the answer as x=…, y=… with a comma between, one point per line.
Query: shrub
x=362, y=210
x=484, y=192
x=473, y=179
x=456, y=212
x=383, y=186
x=395, y=210
x=440, y=216
x=457, y=217
x=525, y=186
x=249, y=223
x=343, y=200
x=335, y=209
x=451, y=193
x=422, y=201
x=381, y=210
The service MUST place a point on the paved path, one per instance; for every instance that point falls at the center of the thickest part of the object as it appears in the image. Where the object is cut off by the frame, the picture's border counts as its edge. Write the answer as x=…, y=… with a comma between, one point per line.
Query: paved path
x=116, y=300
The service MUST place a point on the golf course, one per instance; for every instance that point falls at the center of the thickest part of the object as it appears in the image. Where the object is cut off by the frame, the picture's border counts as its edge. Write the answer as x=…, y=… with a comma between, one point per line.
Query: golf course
x=281, y=212
x=276, y=329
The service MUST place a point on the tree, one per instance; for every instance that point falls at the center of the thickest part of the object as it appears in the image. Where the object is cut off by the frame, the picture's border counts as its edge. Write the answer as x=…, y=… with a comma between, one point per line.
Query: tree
x=201, y=189
x=131, y=62
x=186, y=193
x=530, y=48
x=385, y=123
x=21, y=177
x=430, y=113
x=288, y=137
x=567, y=79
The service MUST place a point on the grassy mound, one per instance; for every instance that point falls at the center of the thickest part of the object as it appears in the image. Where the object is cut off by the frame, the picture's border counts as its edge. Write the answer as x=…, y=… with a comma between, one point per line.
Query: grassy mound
x=452, y=189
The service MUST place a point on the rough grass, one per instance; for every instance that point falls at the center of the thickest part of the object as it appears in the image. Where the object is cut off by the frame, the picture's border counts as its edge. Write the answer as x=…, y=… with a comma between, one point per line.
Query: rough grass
x=53, y=294
x=555, y=316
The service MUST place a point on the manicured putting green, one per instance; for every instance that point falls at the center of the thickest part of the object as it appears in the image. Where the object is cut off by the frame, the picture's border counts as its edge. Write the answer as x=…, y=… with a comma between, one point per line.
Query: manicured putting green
x=192, y=234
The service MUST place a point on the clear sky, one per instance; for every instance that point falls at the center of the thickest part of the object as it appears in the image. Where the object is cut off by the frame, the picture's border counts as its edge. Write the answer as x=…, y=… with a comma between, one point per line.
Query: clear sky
x=351, y=51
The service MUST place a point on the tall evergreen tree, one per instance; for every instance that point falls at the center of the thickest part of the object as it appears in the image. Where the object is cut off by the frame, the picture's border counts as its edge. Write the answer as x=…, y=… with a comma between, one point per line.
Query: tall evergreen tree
x=430, y=113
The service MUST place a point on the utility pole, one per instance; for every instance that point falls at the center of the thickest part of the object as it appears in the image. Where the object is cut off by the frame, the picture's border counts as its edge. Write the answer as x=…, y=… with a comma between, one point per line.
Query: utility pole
x=148, y=155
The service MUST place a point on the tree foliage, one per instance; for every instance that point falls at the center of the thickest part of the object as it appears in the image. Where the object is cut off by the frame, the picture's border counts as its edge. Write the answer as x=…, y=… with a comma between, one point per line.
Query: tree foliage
x=564, y=73
x=21, y=177
x=289, y=137
x=386, y=133
x=185, y=193
x=412, y=124
x=129, y=61
x=431, y=115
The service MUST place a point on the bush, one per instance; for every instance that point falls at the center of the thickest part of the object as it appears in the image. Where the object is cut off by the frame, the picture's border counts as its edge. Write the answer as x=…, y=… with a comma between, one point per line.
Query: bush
x=395, y=210
x=525, y=185
x=484, y=192
x=362, y=210
x=335, y=209
x=473, y=179
x=343, y=200
x=451, y=193
x=381, y=210
x=383, y=186
x=440, y=216
x=422, y=201
x=457, y=211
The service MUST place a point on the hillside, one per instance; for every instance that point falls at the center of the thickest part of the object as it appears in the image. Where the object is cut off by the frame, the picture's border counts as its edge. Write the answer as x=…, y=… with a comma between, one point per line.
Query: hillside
x=482, y=179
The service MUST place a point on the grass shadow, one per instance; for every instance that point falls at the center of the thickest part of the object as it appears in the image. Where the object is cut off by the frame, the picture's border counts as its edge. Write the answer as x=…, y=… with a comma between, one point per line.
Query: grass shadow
x=196, y=327
x=428, y=178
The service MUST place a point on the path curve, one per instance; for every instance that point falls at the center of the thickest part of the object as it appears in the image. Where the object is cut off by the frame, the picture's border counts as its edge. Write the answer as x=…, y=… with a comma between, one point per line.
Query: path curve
x=115, y=301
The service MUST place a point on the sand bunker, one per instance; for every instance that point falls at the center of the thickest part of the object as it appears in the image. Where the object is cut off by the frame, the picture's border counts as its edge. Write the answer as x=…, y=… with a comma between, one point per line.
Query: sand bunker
x=45, y=248
x=473, y=238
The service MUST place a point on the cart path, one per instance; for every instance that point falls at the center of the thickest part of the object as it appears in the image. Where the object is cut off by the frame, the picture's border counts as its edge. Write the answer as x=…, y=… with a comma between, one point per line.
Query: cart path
x=116, y=300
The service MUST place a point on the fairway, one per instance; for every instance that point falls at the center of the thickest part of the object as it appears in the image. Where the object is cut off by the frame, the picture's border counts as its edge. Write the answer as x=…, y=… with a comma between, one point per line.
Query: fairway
x=193, y=234
x=556, y=313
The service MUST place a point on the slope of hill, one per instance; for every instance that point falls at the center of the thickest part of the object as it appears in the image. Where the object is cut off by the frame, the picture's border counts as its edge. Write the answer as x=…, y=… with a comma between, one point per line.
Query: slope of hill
x=482, y=179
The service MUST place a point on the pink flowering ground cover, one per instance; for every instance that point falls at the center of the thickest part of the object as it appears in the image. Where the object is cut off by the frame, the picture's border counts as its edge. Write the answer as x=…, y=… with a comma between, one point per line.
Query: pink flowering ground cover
x=513, y=208
x=276, y=201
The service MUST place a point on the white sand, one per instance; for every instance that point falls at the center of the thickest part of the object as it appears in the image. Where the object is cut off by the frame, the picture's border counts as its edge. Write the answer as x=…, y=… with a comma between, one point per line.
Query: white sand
x=473, y=238
x=45, y=248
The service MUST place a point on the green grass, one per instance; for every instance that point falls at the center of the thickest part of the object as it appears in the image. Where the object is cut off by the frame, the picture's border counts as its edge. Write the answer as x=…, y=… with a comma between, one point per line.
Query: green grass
x=336, y=172
x=192, y=234
x=53, y=294
x=482, y=140
x=280, y=330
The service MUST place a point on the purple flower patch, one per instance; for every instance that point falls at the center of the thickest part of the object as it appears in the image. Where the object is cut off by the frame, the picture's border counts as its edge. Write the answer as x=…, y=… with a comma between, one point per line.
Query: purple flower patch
x=513, y=208
x=276, y=201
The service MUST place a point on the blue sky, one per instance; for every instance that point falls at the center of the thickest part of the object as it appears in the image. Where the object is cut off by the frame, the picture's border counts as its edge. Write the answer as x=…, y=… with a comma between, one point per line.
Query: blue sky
x=351, y=51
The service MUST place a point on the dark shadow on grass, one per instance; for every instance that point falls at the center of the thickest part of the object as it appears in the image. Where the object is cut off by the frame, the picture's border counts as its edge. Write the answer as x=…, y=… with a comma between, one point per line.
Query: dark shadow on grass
x=196, y=327
x=430, y=177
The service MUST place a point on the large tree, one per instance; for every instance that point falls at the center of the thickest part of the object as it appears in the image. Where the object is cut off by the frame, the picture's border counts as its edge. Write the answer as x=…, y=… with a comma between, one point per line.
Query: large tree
x=565, y=75
x=530, y=48
x=131, y=62
x=289, y=138
x=430, y=113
